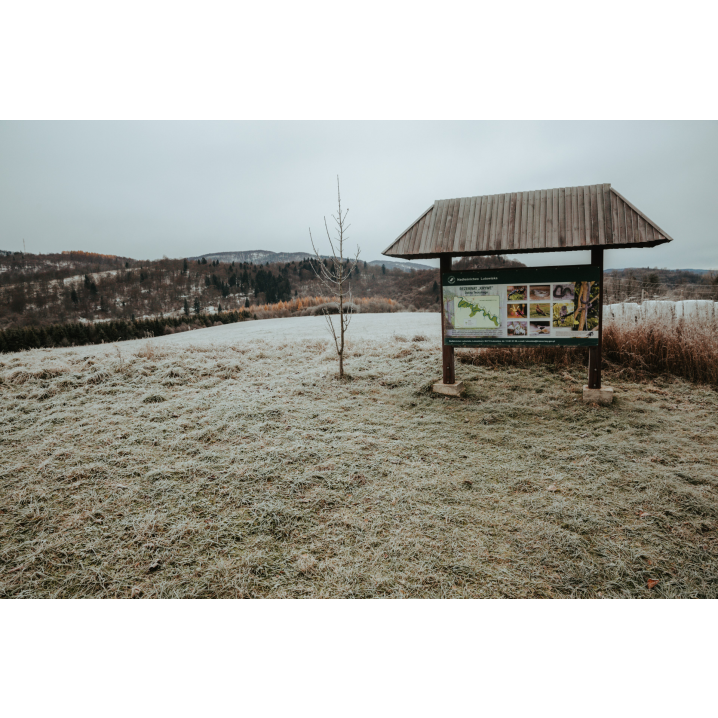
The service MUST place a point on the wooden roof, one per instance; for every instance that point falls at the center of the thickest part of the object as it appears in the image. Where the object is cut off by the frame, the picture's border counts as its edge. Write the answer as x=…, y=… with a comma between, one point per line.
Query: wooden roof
x=547, y=220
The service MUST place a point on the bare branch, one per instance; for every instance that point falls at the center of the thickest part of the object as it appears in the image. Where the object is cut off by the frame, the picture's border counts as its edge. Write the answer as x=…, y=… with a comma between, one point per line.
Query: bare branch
x=336, y=275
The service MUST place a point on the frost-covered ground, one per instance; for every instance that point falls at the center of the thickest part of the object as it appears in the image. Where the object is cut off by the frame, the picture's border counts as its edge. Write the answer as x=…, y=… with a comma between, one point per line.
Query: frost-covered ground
x=380, y=327
x=242, y=467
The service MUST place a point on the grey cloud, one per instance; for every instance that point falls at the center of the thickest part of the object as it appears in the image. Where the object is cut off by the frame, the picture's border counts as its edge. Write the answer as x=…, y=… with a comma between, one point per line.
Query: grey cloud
x=147, y=189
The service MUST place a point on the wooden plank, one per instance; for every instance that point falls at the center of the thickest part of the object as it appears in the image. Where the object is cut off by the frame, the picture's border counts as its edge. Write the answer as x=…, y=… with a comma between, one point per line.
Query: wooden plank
x=496, y=203
x=641, y=229
x=607, y=214
x=621, y=221
x=490, y=214
x=483, y=224
x=594, y=215
x=504, y=236
x=650, y=232
x=529, y=242
x=427, y=224
x=506, y=224
x=428, y=229
x=466, y=232
x=441, y=226
x=468, y=224
x=491, y=222
x=510, y=217
x=448, y=243
x=564, y=215
x=439, y=229
x=587, y=215
x=599, y=215
x=542, y=220
x=435, y=245
x=502, y=226
x=476, y=229
x=411, y=236
x=581, y=217
x=423, y=247
x=552, y=218
x=536, y=240
x=406, y=239
x=424, y=230
x=432, y=244
x=524, y=219
x=515, y=221
x=631, y=226
x=614, y=219
x=555, y=218
x=459, y=226
x=417, y=236
x=486, y=235
x=574, y=218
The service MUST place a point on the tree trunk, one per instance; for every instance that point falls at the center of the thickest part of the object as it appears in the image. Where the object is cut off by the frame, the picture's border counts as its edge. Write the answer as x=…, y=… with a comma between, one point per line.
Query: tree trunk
x=341, y=323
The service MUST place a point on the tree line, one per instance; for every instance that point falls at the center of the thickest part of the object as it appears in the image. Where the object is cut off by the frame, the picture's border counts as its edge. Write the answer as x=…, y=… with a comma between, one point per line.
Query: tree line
x=80, y=334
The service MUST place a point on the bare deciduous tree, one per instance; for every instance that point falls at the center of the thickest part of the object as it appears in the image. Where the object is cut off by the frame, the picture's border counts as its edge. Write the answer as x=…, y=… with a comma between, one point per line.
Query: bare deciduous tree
x=335, y=276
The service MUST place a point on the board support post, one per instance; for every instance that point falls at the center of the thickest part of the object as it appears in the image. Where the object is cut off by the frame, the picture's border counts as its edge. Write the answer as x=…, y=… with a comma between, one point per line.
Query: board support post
x=594, y=391
x=594, y=353
x=447, y=353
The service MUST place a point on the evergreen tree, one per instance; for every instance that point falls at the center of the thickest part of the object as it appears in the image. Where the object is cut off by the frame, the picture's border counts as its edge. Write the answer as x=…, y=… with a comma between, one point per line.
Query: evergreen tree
x=383, y=269
x=186, y=307
x=74, y=297
x=197, y=306
x=246, y=303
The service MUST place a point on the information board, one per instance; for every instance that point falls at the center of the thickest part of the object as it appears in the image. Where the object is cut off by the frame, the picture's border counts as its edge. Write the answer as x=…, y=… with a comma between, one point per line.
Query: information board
x=532, y=305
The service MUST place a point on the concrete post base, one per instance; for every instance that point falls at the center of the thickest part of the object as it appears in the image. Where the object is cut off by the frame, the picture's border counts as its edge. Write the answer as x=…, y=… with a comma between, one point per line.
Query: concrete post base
x=454, y=389
x=604, y=395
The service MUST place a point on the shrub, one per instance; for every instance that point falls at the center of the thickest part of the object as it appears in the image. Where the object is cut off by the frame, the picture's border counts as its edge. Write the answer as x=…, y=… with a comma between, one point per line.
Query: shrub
x=688, y=350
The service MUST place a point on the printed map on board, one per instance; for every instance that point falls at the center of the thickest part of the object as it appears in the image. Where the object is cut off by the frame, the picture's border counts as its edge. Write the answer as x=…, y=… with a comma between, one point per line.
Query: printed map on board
x=482, y=312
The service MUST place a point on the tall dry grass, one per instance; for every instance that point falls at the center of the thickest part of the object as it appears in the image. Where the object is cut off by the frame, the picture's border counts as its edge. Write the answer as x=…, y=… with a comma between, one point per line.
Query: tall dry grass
x=688, y=350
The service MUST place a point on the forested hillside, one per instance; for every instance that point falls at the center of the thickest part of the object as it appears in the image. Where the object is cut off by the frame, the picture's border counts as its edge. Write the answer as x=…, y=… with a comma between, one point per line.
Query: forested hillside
x=71, y=287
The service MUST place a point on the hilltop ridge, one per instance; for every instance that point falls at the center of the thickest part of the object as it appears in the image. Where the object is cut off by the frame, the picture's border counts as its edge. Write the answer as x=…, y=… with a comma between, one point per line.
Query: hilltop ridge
x=262, y=256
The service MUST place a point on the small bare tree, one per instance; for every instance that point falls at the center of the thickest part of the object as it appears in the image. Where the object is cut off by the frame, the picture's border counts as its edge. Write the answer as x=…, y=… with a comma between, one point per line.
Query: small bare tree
x=335, y=276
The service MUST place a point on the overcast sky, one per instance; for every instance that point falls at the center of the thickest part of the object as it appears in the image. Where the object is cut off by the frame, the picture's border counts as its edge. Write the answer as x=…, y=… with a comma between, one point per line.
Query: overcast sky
x=148, y=189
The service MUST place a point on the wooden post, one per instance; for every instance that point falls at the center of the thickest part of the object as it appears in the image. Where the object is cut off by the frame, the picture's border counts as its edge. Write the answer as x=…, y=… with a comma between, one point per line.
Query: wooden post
x=594, y=353
x=447, y=353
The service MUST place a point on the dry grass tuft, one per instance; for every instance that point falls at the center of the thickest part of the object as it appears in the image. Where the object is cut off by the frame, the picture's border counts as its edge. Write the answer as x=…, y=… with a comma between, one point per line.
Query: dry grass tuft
x=688, y=350
x=258, y=476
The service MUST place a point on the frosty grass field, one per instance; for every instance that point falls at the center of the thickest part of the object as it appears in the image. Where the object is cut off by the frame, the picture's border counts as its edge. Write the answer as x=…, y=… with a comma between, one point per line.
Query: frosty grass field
x=230, y=462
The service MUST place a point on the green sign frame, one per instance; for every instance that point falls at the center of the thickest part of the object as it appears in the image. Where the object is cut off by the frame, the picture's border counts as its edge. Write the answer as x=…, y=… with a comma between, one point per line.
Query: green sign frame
x=528, y=306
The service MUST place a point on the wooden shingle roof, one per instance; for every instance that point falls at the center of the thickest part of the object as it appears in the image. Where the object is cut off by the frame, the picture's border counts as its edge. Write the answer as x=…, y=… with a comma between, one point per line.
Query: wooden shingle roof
x=567, y=218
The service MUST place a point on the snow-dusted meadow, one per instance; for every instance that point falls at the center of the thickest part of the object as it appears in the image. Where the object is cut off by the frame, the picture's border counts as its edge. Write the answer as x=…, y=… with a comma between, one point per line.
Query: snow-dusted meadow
x=231, y=462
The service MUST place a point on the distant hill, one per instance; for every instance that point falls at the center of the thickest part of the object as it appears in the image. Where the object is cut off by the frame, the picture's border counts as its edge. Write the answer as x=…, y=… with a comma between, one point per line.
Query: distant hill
x=649, y=269
x=262, y=256
x=406, y=266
